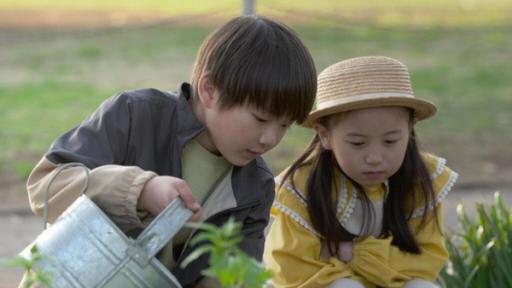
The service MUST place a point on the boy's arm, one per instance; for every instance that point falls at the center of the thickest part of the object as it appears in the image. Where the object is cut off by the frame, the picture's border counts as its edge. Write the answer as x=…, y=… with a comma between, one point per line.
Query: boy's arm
x=100, y=143
x=114, y=188
x=255, y=223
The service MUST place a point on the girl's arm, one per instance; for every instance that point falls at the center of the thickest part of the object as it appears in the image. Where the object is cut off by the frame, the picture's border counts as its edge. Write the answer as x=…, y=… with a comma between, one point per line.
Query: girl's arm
x=293, y=254
x=386, y=265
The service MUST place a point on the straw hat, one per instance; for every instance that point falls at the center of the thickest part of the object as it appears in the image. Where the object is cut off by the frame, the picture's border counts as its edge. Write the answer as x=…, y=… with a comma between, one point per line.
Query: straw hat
x=365, y=82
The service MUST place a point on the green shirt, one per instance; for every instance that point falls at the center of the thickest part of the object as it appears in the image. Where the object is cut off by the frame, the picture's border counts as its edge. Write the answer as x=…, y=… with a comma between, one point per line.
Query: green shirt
x=201, y=169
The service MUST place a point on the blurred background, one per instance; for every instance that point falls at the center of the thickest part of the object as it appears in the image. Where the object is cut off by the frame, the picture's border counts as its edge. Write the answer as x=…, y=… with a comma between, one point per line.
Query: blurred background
x=60, y=59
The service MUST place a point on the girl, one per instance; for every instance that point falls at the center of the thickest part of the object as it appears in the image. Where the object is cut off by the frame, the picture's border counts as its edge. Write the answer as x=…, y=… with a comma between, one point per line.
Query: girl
x=362, y=206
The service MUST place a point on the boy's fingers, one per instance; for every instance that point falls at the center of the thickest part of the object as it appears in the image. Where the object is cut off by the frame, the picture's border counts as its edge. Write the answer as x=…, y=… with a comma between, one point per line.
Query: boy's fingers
x=196, y=216
x=189, y=199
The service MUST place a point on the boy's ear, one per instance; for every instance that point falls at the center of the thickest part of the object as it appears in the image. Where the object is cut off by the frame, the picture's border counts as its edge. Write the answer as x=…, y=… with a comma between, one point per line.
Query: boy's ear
x=206, y=91
x=323, y=135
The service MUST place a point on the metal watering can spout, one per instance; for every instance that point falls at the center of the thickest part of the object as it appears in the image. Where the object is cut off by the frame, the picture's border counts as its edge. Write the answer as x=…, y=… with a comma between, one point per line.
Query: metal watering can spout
x=84, y=248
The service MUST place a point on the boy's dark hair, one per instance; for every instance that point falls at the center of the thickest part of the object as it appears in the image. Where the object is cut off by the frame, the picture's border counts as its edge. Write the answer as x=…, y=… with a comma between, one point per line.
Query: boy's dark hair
x=322, y=207
x=256, y=61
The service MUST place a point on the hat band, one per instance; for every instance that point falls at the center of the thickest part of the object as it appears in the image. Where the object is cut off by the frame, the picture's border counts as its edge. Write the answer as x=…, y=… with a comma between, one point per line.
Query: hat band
x=370, y=96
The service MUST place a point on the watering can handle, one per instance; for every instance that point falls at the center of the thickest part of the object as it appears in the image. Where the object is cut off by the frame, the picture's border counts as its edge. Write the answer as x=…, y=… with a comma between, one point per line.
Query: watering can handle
x=57, y=172
x=164, y=227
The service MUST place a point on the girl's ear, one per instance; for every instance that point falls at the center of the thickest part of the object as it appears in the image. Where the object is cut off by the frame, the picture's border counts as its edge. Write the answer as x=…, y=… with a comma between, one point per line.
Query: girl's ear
x=412, y=120
x=412, y=123
x=323, y=135
x=207, y=93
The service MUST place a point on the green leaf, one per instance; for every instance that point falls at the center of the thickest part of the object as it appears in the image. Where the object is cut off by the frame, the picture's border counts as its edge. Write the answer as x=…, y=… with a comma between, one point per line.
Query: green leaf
x=203, y=226
x=227, y=262
x=195, y=254
x=200, y=237
x=42, y=278
x=20, y=262
x=484, y=256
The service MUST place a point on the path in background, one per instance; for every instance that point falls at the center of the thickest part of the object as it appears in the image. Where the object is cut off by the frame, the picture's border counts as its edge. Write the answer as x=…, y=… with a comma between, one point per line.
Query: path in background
x=17, y=232
x=19, y=227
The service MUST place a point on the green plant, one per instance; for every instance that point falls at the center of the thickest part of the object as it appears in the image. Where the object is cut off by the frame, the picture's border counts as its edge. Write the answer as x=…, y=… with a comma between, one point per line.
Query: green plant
x=481, y=253
x=32, y=278
x=228, y=264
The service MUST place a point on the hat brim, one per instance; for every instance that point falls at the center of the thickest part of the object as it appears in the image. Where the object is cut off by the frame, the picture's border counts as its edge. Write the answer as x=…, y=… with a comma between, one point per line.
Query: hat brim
x=422, y=108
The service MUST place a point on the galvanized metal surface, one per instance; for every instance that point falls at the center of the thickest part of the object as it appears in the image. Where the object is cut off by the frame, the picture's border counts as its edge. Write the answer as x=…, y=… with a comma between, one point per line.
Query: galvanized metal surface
x=84, y=248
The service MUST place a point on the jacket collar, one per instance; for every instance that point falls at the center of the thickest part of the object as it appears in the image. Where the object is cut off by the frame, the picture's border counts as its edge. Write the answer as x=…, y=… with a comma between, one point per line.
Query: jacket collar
x=188, y=126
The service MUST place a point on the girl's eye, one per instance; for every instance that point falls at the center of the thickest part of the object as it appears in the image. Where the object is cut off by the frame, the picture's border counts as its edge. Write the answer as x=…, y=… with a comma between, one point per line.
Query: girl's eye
x=390, y=141
x=356, y=143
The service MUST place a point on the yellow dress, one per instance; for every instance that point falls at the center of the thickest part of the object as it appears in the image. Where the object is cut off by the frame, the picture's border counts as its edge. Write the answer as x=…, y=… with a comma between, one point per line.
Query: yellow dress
x=294, y=252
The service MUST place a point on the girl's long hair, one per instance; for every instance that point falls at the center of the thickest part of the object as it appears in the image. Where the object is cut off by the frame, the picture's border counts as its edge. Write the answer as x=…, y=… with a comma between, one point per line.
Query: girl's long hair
x=408, y=185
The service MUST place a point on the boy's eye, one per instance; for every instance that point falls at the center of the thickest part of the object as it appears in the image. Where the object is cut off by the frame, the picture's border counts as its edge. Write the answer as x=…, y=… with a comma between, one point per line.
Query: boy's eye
x=356, y=143
x=259, y=119
x=287, y=125
x=390, y=141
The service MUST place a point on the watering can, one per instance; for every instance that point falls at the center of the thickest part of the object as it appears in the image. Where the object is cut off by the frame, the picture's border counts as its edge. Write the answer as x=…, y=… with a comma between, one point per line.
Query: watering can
x=84, y=248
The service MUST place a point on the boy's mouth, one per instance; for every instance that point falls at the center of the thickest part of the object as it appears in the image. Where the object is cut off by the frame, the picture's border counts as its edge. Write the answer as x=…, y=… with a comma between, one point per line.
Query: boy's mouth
x=254, y=153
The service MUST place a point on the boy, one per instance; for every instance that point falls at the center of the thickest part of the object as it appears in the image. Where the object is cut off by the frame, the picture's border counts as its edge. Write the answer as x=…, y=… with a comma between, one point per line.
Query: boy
x=251, y=80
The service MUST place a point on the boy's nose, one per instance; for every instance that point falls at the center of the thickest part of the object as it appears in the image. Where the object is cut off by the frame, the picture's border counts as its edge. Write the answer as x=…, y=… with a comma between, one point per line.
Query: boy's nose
x=270, y=137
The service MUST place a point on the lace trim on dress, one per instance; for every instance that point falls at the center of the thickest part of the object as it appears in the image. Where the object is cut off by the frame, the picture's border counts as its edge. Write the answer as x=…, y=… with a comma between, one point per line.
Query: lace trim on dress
x=302, y=198
x=440, y=197
x=348, y=211
x=350, y=207
x=439, y=169
x=295, y=216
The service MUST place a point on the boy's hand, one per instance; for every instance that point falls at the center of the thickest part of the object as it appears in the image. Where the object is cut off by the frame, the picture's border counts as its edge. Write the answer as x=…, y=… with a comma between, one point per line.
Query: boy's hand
x=345, y=251
x=159, y=191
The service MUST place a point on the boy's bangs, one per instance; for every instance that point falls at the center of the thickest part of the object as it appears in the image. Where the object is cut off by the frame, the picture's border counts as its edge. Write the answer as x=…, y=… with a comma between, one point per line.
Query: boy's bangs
x=265, y=65
x=274, y=86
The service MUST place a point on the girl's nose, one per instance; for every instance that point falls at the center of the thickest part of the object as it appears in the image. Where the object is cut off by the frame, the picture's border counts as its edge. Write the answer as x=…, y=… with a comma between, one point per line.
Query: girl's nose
x=373, y=158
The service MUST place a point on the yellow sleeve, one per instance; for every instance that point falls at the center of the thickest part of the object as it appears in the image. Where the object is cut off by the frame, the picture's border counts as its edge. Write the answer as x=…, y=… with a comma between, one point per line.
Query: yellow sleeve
x=433, y=251
x=292, y=253
x=386, y=265
x=293, y=249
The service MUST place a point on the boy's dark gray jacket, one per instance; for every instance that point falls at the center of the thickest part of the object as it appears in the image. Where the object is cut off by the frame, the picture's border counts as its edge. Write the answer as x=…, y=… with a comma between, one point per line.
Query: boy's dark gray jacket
x=131, y=138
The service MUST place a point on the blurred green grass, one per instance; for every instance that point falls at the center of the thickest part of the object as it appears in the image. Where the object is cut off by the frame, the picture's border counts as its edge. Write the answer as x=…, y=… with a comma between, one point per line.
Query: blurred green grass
x=172, y=7
x=50, y=79
x=395, y=12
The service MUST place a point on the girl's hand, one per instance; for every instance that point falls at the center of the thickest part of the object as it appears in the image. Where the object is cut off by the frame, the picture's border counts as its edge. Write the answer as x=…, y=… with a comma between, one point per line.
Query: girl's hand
x=345, y=251
x=159, y=191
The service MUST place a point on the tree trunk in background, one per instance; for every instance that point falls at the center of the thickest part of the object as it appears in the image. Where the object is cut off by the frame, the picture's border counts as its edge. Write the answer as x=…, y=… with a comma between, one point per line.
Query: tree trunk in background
x=248, y=7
